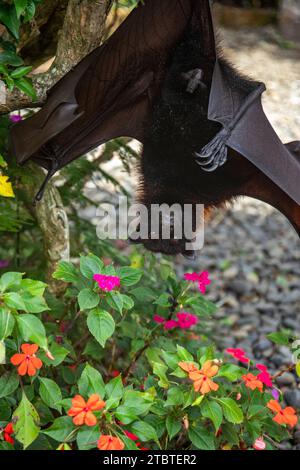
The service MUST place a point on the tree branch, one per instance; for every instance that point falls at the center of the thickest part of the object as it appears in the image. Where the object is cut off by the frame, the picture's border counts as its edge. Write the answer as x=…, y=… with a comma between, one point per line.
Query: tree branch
x=82, y=32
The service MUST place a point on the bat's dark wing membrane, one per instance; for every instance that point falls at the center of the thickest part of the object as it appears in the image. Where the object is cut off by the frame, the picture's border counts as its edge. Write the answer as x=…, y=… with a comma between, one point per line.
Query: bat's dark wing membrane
x=246, y=129
x=109, y=93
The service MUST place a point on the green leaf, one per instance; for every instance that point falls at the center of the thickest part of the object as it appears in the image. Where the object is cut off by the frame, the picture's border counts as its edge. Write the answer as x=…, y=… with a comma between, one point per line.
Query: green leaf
x=212, y=411
x=91, y=382
x=175, y=397
x=184, y=355
x=26, y=421
x=10, y=58
x=87, y=437
x=32, y=329
x=50, y=393
x=144, y=431
x=231, y=372
x=114, y=392
x=115, y=301
x=173, y=426
x=61, y=429
x=34, y=304
x=101, y=325
x=9, y=383
x=126, y=414
x=129, y=276
x=35, y=288
x=7, y=323
x=14, y=300
x=9, y=280
x=229, y=434
x=90, y=265
x=20, y=6
x=58, y=352
x=25, y=85
x=88, y=299
x=201, y=438
x=66, y=272
x=8, y=16
x=231, y=410
x=160, y=370
x=20, y=72
x=281, y=338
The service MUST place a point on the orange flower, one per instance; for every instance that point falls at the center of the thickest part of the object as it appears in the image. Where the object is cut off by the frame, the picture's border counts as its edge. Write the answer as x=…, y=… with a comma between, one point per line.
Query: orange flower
x=251, y=381
x=283, y=416
x=202, y=378
x=110, y=443
x=82, y=411
x=28, y=362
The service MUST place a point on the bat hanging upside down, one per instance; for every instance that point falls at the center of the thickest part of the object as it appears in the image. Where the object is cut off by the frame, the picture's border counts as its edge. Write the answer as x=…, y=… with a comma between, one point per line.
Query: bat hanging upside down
x=159, y=79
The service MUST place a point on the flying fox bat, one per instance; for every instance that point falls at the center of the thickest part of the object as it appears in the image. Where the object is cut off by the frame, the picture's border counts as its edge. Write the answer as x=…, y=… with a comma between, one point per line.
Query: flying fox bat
x=160, y=80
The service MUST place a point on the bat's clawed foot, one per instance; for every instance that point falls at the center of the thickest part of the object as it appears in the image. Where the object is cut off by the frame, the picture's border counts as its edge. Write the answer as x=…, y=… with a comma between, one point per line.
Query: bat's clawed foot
x=194, y=80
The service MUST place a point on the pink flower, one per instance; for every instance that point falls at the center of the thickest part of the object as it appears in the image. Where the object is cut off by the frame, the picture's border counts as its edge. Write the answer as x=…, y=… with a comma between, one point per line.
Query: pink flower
x=107, y=283
x=238, y=354
x=159, y=319
x=171, y=324
x=15, y=118
x=259, y=444
x=186, y=320
x=264, y=376
x=202, y=279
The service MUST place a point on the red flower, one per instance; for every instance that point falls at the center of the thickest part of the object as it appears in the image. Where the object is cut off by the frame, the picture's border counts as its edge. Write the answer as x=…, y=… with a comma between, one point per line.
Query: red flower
x=110, y=443
x=107, y=283
x=28, y=362
x=131, y=436
x=7, y=433
x=238, y=354
x=82, y=411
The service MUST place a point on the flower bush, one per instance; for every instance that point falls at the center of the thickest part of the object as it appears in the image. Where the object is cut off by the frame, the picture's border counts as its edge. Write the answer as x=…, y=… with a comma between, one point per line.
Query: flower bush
x=124, y=360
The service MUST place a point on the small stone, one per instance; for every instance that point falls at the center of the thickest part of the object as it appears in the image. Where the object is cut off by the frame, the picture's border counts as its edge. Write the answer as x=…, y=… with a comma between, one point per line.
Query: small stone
x=292, y=398
x=286, y=379
x=262, y=344
x=240, y=287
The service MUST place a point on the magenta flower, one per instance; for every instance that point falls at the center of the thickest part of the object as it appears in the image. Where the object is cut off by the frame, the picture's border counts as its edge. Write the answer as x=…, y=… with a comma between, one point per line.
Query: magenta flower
x=238, y=354
x=186, y=320
x=275, y=394
x=107, y=283
x=15, y=118
x=159, y=319
x=264, y=375
x=171, y=324
x=202, y=279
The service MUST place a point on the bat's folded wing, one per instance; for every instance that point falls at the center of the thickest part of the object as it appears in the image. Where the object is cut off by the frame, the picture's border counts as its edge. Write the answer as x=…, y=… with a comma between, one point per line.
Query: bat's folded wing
x=108, y=94
x=246, y=129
